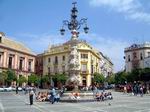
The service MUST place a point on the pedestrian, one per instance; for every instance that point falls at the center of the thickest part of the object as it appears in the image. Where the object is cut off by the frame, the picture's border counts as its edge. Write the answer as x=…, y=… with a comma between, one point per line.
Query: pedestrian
x=31, y=97
x=53, y=93
x=16, y=89
x=125, y=89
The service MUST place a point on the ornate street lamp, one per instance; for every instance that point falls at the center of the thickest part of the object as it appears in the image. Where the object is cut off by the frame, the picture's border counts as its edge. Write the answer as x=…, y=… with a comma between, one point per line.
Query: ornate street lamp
x=74, y=24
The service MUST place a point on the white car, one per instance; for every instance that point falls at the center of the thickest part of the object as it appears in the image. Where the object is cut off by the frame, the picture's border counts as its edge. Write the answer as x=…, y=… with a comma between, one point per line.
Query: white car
x=1, y=89
x=19, y=89
x=7, y=88
x=14, y=88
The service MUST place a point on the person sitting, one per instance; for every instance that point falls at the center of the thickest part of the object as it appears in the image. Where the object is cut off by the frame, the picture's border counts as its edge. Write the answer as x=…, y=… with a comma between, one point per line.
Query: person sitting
x=38, y=96
x=110, y=97
x=102, y=96
x=57, y=97
x=97, y=96
x=72, y=96
x=77, y=95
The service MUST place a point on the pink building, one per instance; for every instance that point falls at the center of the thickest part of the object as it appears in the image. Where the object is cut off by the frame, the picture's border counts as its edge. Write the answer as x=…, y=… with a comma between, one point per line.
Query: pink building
x=16, y=56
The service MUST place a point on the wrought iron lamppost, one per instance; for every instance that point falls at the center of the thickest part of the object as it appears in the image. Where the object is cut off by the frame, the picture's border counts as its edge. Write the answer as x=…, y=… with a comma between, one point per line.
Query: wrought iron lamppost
x=74, y=25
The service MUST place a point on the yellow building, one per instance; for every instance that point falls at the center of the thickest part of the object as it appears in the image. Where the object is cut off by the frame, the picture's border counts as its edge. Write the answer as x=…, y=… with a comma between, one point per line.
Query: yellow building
x=16, y=56
x=56, y=60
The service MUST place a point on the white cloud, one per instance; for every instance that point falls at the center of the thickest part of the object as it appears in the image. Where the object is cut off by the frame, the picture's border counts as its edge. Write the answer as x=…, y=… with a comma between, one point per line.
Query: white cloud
x=132, y=9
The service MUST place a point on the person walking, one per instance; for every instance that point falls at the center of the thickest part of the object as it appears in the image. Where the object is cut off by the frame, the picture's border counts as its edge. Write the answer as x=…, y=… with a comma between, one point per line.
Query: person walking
x=16, y=89
x=53, y=93
x=31, y=97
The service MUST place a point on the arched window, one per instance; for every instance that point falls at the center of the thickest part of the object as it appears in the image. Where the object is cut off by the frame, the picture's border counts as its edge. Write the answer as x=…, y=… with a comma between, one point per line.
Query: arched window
x=134, y=55
x=129, y=58
x=56, y=60
x=141, y=56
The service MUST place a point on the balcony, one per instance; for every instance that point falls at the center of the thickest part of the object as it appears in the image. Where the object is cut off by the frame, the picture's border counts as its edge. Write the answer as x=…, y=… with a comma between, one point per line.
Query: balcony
x=55, y=63
x=84, y=71
x=84, y=60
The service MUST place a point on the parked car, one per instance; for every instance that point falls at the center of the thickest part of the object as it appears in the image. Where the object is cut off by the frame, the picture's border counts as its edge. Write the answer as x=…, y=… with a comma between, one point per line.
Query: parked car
x=8, y=89
x=14, y=88
x=1, y=89
x=19, y=88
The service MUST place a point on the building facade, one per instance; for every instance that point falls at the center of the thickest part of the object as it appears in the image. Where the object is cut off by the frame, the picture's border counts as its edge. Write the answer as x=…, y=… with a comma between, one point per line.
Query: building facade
x=137, y=56
x=15, y=56
x=56, y=60
x=106, y=65
x=39, y=65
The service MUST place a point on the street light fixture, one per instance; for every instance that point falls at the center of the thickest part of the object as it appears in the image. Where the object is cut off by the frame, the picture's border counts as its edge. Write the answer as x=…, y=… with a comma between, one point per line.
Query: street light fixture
x=74, y=24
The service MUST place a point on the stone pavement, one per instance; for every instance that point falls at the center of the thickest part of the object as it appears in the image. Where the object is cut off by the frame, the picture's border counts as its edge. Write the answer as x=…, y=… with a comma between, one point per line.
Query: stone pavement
x=10, y=102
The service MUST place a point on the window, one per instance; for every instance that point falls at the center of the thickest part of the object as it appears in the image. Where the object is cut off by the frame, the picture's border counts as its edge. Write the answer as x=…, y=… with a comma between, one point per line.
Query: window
x=84, y=80
x=10, y=62
x=63, y=69
x=148, y=54
x=84, y=56
x=56, y=60
x=129, y=58
x=92, y=71
x=134, y=55
x=63, y=58
x=141, y=56
x=49, y=60
x=29, y=66
x=0, y=39
x=49, y=70
x=0, y=58
x=20, y=64
x=55, y=69
x=84, y=67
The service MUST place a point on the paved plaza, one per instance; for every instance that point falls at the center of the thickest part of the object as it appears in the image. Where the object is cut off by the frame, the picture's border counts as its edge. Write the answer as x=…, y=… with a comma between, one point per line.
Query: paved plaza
x=10, y=102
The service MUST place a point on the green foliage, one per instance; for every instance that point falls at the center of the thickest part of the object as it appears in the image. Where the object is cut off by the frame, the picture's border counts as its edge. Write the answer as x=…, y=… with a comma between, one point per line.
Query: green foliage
x=98, y=78
x=3, y=77
x=134, y=75
x=140, y=74
x=60, y=78
x=33, y=79
x=121, y=77
x=110, y=79
x=11, y=76
x=45, y=79
x=21, y=80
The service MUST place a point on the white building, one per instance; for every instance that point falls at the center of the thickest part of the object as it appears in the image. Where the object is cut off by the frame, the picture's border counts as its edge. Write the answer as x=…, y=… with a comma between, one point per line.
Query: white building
x=137, y=56
x=106, y=66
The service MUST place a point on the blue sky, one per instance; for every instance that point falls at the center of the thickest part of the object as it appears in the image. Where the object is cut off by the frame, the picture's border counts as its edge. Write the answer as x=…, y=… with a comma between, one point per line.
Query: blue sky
x=114, y=24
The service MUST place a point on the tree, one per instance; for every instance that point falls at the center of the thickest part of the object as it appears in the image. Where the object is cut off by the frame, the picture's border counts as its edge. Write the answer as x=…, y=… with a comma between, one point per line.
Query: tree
x=33, y=79
x=60, y=78
x=98, y=78
x=11, y=76
x=110, y=79
x=145, y=74
x=121, y=77
x=45, y=79
x=21, y=80
x=3, y=77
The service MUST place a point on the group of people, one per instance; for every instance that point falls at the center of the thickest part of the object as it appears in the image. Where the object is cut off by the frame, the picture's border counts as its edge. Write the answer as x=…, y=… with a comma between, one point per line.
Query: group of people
x=51, y=96
x=74, y=95
x=103, y=96
x=137, y=89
